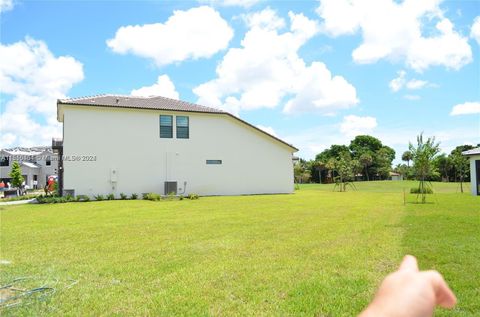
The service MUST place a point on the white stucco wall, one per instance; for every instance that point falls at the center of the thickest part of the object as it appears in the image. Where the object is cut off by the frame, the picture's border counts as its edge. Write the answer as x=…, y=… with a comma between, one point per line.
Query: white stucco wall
x=473, y=174
x=128, y=141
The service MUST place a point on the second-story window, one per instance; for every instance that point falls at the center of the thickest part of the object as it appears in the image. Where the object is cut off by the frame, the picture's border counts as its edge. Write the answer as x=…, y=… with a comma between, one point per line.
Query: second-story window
x=182, y=127
x=48, y=161
x=4, y=161
x=166, y=127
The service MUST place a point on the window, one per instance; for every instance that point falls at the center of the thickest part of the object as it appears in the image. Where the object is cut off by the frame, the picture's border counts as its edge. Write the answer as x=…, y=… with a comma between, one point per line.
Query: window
x=48, y=162
x=166, y=129
x=4, y=161
x=182, y=127
x=212, y=162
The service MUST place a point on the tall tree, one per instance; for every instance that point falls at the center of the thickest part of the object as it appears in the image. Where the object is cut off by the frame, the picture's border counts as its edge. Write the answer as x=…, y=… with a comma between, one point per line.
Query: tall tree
x=461, y=165
x=364, y=144
x=444, y=165
x=328, y=156
x=407, y=157
x=333, y=152
x=301, y=171
x=366, y=160
x=383, y=162
x=423, y=155
x=382, y=155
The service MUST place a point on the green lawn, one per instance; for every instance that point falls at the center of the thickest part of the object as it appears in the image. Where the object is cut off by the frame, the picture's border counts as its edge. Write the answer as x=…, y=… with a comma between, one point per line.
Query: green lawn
x=312, y=253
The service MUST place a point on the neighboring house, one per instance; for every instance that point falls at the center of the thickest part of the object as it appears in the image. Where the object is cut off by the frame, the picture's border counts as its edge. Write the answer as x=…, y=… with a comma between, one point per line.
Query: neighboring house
x=474, y=155
x=37, y=163
x=124, y=144
x=396, y=176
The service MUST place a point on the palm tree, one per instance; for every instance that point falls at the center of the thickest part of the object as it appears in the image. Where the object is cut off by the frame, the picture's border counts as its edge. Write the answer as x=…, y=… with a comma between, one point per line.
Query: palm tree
x=423, y=156
x=407, y=157
x=366, y=160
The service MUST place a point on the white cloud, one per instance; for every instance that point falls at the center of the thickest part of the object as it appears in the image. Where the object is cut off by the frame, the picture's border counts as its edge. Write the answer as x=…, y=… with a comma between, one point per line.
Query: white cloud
x=6, y=5
x=266, y=19
x=393, y=31
x=196, y=33
x=416, y=84
x=318, y=90
x=397, y=83
x=401, y=82
x=475, y=31
x=269, y=130
x=352, y=125
x=266, y=69
x=465, y=108
x=163, y=87
x=412, y=97
x=231, y=3
x=33, y=78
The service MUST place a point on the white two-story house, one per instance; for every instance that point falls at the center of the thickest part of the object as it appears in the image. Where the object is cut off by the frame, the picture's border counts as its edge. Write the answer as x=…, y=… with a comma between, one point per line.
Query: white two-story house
x=36, y=163
x=124, y=144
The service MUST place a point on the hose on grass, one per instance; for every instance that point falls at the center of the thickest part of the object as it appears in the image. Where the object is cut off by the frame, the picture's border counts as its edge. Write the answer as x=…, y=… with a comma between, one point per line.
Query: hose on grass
x=12, y=296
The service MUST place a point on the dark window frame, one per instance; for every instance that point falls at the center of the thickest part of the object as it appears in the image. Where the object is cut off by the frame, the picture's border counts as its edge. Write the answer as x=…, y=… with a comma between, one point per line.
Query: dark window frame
x=167, y=131
x=214, y=162
x=183, y=131
x=4, y=161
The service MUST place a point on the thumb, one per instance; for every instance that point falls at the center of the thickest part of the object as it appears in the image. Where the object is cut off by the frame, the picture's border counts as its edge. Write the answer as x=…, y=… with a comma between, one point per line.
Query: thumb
x=443, y=294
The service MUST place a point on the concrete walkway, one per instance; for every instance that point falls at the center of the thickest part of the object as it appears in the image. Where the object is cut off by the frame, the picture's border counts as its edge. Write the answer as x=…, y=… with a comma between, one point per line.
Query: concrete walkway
x=18, y=202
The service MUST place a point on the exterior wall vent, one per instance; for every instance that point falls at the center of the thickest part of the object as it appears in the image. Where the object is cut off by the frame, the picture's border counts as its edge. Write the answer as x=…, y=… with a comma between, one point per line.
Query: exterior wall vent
x=170, y=187
x=70, y=192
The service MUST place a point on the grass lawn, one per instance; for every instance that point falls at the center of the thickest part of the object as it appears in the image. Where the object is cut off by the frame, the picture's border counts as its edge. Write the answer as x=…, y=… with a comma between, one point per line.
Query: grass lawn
x=312, y=253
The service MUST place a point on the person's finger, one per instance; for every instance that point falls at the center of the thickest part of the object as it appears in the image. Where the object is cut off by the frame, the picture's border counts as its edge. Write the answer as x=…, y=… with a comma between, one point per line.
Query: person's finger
x=443, y=294
x=409, y=263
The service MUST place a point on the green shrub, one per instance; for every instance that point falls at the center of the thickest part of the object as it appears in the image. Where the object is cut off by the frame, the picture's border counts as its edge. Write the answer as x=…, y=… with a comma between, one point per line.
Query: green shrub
x=69, y=198
x=110, y=197
x=170, y=196
x=99, y=197
x=152, y=196
x=180, y=197
x=44, y=199
x=123, y=196
x=134, y=196
x=193, y=196
x=83, y=198
x=40, y=199
x=417, y=190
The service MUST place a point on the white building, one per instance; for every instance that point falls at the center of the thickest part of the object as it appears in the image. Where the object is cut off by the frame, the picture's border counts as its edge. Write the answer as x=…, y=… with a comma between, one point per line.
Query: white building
x=37, y=164
x=474, y=155
x=124, y=144
x=396, y=176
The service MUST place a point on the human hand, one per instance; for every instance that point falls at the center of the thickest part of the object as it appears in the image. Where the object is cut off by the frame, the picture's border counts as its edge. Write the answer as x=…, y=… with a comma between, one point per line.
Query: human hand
x=409, y=292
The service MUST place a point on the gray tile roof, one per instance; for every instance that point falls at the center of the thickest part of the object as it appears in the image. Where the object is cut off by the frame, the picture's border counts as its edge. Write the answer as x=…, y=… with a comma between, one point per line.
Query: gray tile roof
x=153, y=103
x=475, y=151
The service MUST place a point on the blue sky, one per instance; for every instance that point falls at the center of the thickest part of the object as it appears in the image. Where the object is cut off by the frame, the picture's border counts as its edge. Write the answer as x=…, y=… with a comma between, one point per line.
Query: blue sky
x=313, y=73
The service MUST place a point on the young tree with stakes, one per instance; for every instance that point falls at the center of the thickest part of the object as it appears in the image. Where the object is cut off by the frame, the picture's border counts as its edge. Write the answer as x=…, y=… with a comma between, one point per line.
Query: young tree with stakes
x=423, y=155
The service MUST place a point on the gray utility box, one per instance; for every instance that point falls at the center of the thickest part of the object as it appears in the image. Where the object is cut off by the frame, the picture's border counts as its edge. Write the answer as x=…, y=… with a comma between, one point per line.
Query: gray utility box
x=170, y=187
